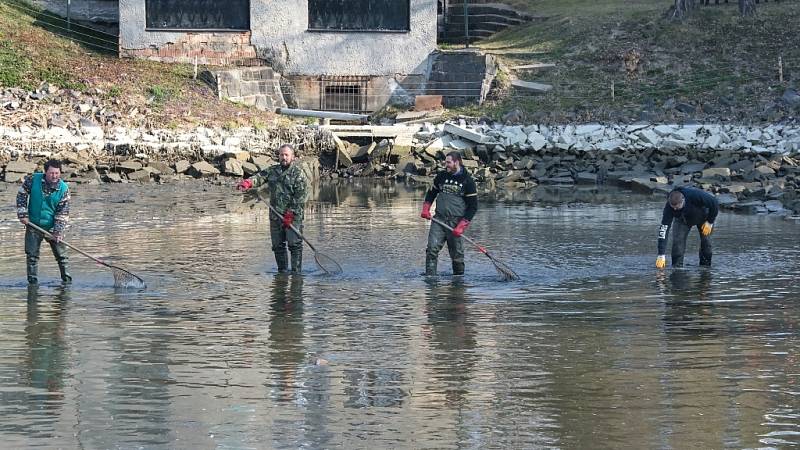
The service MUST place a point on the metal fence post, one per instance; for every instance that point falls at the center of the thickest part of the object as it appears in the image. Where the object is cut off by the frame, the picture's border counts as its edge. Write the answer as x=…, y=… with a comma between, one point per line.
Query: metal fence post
x=466, y=23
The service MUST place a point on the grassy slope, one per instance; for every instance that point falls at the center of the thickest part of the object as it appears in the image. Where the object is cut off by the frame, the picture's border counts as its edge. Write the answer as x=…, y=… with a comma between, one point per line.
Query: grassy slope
x=166, y=93
x=716, y=59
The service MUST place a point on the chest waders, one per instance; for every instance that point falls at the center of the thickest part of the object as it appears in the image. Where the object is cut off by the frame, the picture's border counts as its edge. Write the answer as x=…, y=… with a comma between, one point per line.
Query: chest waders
x=41, y=211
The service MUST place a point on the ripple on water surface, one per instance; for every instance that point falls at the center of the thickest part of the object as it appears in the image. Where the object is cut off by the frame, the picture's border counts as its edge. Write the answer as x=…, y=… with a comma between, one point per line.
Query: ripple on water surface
x=592, y=345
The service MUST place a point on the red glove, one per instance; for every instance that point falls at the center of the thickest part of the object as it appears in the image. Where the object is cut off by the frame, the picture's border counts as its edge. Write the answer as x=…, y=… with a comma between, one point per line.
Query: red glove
x=426, y=211
x=244, y=185
x=460, y=228
x=288, y=218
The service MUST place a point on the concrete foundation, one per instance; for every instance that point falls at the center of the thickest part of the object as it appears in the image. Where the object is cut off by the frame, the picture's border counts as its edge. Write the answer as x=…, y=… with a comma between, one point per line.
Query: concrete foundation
x=360, y=94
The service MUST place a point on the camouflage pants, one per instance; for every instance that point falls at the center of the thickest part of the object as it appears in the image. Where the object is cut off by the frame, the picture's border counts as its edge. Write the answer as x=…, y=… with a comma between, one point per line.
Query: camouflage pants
x=437, y=237
x=283, y=237
x=33, y=243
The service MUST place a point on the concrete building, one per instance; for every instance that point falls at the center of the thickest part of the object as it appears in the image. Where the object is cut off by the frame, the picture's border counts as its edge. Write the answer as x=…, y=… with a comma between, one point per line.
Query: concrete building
x=347, y=55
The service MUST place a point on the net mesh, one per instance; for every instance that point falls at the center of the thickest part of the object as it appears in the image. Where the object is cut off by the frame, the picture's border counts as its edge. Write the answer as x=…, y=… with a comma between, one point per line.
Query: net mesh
x=327, y=264
x=503, y=270
x=125, y=279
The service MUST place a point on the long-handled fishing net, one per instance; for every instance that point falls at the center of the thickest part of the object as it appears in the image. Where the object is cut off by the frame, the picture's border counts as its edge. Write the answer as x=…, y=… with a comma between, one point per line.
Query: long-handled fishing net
x=502, y=268
x=122, y=278
x=325, y=262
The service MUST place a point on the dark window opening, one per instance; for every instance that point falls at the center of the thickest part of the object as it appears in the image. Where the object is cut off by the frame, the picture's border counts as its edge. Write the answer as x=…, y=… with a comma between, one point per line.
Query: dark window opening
x=359, y=15
x=347, y=95
x=197, y=14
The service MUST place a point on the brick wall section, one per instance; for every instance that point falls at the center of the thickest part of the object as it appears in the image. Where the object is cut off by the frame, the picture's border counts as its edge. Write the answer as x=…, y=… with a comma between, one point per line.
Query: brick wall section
x=213, y=49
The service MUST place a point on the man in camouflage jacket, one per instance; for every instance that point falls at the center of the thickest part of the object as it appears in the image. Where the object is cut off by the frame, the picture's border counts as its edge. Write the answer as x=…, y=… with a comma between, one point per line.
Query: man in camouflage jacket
x=287, y=193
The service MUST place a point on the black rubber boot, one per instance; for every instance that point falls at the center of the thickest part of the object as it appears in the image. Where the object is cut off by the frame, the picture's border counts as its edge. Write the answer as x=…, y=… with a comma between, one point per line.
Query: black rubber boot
x=32, y=266
x=297, y=260
x=65, y=276
x=282, y=260
x=430, y=266
x=458, y=268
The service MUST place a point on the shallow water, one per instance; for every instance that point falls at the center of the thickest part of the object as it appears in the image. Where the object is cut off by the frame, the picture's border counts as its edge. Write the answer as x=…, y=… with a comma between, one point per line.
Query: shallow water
x=594, y=348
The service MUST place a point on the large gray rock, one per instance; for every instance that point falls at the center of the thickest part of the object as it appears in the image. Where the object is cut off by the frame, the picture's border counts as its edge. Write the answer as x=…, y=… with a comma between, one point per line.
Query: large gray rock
x=24, y=167
x=692, y=167
x=727, y=199
x=161, y=167
x=262, y=162
x=249, y=168
x=182, y=166
x=129, y=166
x=717, y=172
x=773, y=206
x=113, y=177
x=586, y=178
x=203, y=169
x=141, y=176
x=233, y=167
x=537, y=141
x=791, y=97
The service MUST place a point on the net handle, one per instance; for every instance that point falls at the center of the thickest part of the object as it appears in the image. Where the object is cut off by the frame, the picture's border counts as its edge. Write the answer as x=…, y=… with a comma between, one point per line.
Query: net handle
x=291, y=226
x=501, y=267
x=277, y=213
x=50, y=237
x=480, y=248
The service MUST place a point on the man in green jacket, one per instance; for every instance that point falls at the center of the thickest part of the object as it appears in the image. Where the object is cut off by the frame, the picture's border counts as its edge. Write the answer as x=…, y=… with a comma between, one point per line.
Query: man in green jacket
x=287, y=193
x=43, y=199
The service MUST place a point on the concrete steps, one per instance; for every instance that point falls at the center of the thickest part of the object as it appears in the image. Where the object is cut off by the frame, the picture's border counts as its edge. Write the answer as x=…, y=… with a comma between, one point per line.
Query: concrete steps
x=461, y=77
x=485, y=19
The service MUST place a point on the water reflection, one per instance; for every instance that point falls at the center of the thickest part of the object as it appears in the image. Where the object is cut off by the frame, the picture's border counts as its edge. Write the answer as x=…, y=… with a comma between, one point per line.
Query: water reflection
x=689, y=311
x=286, y=337
x=452, y=338
x=46, y=359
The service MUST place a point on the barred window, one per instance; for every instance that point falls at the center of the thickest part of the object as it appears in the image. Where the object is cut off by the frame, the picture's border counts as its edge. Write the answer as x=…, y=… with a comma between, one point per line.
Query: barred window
x=359, y=15
x=197, y=14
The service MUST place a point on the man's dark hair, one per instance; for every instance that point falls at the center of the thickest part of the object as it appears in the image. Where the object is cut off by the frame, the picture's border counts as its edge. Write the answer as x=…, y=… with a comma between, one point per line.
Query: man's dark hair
x=455, y=156
x=289, y=146
x=675, y=198
x=54, y=163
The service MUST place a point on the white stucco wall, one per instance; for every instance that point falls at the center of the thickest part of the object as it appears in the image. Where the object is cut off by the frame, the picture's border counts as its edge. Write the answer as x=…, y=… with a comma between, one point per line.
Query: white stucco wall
x=281, y=27
x=280, y=34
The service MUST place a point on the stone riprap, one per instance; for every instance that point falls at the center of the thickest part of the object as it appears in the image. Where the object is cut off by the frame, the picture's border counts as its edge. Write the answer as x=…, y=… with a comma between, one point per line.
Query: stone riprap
x=750, y=168
x=134, y=155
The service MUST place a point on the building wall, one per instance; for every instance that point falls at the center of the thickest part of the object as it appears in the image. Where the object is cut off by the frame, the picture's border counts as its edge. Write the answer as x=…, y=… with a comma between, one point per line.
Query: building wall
x=279, y=35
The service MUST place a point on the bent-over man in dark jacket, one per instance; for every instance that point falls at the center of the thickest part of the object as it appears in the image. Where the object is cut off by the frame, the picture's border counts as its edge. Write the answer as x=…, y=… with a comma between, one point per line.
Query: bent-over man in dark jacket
x=687, y=207
x=456, y=203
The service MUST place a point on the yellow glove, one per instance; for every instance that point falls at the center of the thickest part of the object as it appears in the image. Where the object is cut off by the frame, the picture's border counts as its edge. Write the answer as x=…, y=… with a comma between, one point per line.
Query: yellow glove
x=661, y=262
x=706, y=228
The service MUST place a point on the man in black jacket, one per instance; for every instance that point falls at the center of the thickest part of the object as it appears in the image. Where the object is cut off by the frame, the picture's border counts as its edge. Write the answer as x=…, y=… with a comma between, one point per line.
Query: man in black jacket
x=687, y=207
x=456, y=203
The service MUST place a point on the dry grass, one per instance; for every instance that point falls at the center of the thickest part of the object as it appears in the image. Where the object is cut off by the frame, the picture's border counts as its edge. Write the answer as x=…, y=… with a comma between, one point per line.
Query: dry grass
x=715, y=60
x=31, y=54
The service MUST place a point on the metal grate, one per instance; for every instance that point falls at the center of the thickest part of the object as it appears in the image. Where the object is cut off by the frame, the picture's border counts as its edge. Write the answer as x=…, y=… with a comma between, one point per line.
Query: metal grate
x=344, y=94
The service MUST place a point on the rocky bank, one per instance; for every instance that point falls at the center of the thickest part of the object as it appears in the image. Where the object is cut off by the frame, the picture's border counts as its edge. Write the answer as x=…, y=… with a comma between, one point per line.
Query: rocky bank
x=750, y=168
